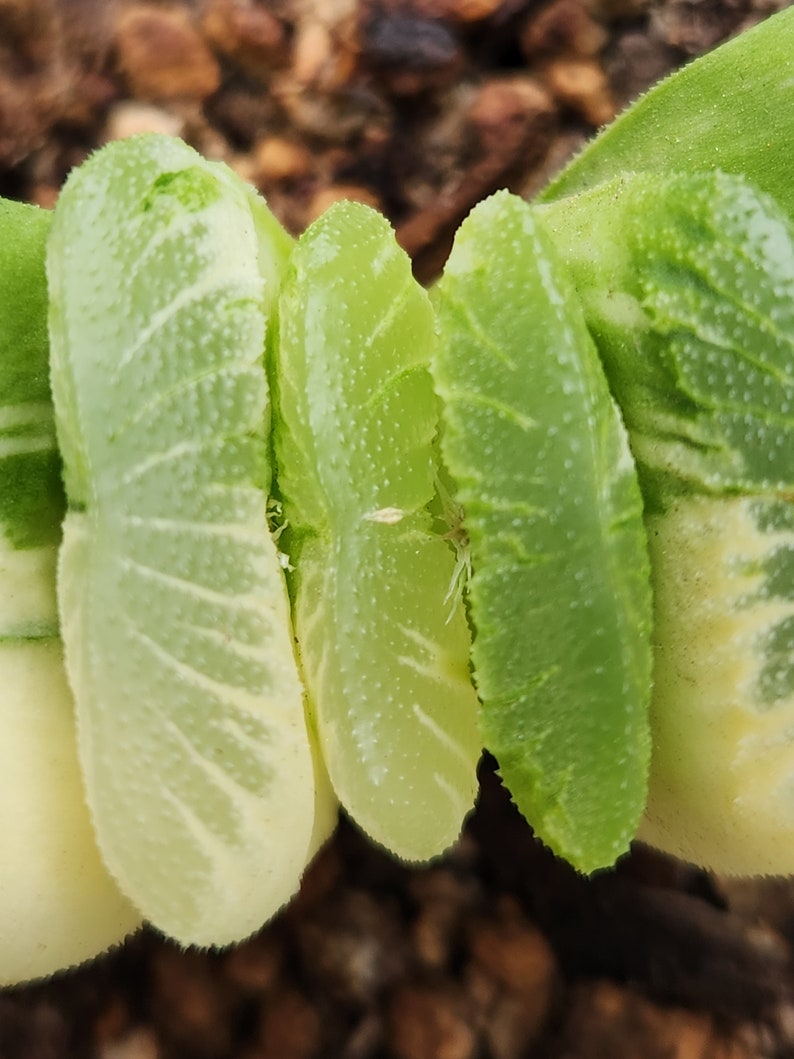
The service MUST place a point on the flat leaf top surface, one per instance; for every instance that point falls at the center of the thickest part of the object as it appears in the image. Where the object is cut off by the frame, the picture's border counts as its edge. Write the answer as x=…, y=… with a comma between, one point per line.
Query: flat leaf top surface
x=384, y=652
x=729, y=110
x=723, y=703
x=174, y=610
x=31, y=495
x=688, y=282
x=699, y=348
x=560, y=598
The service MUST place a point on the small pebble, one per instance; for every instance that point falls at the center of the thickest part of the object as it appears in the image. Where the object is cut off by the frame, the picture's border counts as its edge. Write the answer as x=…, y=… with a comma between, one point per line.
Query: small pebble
x=581, y=84
x=327, y=196
x=163, y=56
x=289, y=1027
x=131, y=118
x=139, y=1043
x=430, y=1023
x=565, y=26
x=277, y=159
x=247, y=33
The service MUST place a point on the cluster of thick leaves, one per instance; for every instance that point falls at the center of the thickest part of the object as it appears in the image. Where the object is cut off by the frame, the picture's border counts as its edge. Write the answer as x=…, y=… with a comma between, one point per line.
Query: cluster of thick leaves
x=590, y=413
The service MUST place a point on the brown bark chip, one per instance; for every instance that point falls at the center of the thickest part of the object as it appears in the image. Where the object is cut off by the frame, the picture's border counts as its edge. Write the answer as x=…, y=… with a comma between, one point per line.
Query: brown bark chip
x=581, y=84
x=192, y=1004
x=290, y=1026
x=139, y=1044
x=430, y=1022
x=276, y=159
x=508, y=125
x=608, y=1021
x=564, y=26
x=162, y=55
x=353, y=947
x=517, y=956
x=511, y=954
x=247, y=33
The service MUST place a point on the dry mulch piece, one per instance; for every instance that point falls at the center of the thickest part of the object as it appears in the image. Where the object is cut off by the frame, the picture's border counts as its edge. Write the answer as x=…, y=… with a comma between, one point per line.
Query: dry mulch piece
x=497, y=951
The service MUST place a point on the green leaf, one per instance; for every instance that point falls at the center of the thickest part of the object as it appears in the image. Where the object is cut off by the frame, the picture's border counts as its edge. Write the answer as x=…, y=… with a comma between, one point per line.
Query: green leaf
x=31, y=495
x=560, y=597
x=385, y=655
x=174, y=608
x=688, y=284
x=722, y=713
x=731, y=110
x=58, y=904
